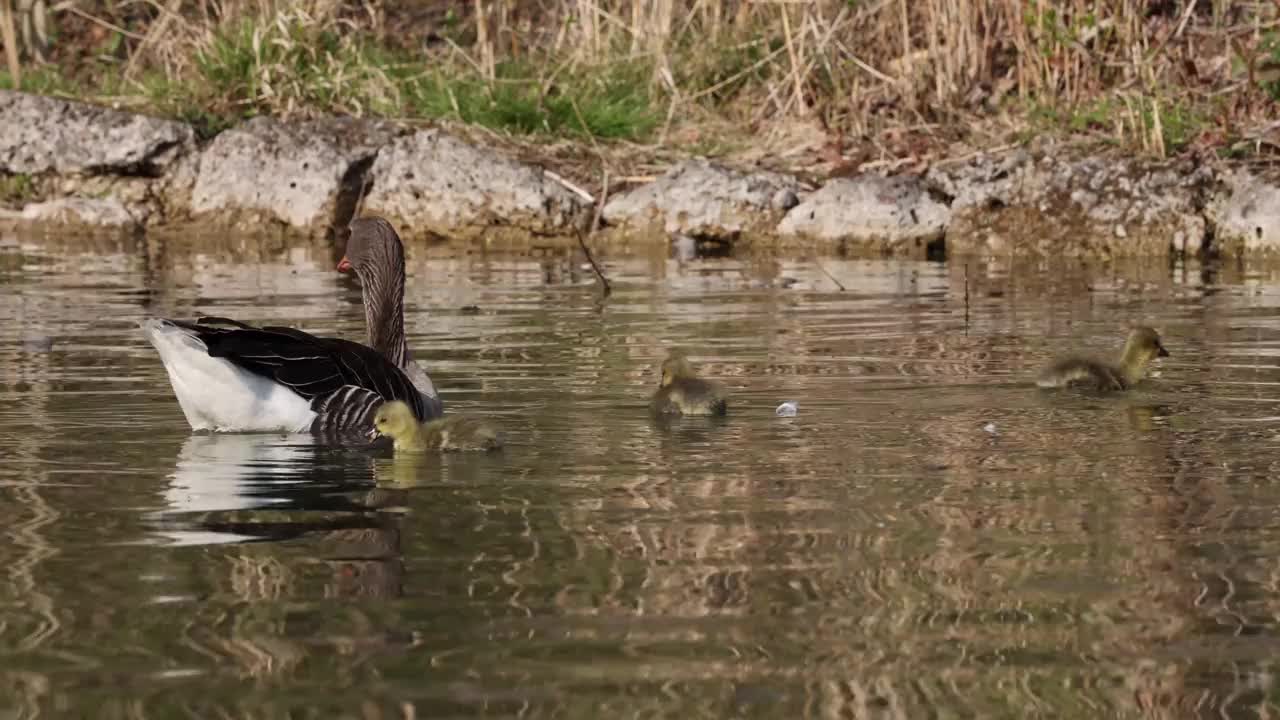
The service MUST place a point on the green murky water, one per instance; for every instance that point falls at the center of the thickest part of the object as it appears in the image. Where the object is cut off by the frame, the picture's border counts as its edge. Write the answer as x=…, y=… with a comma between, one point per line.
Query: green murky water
x=928, y=537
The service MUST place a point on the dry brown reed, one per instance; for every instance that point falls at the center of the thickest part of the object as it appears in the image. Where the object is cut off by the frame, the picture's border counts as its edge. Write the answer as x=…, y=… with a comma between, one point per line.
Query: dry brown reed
x=1158, y=74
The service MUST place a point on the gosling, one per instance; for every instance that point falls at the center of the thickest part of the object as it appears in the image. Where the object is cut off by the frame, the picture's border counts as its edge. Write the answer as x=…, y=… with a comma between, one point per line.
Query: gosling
x=682, y=392
x=1142, y=346
x=450, y=433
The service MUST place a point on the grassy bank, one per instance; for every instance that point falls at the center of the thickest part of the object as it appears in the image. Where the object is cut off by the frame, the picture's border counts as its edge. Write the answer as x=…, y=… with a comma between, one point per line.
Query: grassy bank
x=858, y=81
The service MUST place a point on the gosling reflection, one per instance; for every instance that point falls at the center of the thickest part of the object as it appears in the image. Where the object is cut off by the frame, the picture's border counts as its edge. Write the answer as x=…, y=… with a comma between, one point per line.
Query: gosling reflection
x=1146, y=418
x=405, y=471
x=690, y=427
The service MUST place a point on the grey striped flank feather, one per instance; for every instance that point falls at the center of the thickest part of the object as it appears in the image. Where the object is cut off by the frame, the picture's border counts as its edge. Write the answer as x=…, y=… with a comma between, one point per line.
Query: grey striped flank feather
x=347, y=409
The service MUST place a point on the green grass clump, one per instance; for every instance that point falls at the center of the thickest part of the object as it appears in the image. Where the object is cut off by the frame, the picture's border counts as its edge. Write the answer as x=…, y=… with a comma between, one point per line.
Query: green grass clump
x=1180, y=123
x=252, y=68
x=283, y=69
x=16, y=188
x=611, y=103
x=41, y=81
x=1097, y=115
x=295, y=66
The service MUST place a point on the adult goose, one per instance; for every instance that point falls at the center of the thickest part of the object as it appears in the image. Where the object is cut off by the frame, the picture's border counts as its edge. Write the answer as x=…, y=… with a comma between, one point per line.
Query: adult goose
x=232, y=377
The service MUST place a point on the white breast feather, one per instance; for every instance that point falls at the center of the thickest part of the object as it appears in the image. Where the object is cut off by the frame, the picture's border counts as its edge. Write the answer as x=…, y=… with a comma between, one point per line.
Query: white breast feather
x=217, y=395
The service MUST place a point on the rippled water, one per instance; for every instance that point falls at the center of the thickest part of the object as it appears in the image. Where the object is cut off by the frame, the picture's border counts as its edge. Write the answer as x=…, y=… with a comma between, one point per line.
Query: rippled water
x=929, y=536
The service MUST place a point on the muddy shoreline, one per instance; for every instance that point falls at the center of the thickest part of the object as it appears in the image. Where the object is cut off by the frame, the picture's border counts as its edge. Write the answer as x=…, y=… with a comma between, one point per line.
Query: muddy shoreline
x=73, y=166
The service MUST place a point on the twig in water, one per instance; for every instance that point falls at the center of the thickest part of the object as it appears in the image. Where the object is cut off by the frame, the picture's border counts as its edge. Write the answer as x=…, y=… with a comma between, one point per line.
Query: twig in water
x=966, y=297
x=830, y=277
x=606, y=288
x=604, y=197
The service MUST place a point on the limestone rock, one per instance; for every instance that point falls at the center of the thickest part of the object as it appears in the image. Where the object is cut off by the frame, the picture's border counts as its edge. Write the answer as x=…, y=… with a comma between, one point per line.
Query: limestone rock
x=305, y=175
x=172, y=191
x=42, y=134
x=703, y=199
x=1094, y=206
x=433, y=184
x=1245, y=213
x=888, y=214
x=77, y=211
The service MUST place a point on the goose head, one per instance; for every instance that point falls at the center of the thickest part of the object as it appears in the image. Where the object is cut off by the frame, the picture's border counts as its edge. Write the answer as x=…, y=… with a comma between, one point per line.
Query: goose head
x=374, y=250
x=376, y=256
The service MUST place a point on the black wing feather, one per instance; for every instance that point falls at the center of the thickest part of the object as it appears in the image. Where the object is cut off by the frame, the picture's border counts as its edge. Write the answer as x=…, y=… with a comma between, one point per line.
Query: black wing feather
x=217, y=320
x=341, y=378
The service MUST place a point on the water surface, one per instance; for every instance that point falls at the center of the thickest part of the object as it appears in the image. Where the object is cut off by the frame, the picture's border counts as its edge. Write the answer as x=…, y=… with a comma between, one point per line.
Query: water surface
x=928, y=537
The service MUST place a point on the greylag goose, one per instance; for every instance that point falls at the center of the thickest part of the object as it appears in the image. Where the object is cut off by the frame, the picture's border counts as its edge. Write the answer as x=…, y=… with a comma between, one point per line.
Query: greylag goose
x=1140, y=348
x=682, y=392
x=454, y=433
x=232, y=377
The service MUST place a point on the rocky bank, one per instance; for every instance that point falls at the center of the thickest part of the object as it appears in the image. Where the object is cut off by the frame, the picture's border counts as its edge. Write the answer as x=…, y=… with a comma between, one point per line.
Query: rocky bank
x=65, y=163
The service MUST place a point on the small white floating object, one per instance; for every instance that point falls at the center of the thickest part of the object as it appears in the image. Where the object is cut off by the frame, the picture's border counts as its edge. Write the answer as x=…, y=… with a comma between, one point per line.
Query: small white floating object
x=991, y=428
x=787, y=409
x=686, y=247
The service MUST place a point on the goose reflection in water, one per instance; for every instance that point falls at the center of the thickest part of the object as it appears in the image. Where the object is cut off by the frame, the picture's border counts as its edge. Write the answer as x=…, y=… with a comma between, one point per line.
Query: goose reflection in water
x=228, y=488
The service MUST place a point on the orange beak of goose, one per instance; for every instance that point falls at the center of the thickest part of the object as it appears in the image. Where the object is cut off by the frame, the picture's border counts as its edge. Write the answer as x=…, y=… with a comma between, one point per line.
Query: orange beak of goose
x=344, y=265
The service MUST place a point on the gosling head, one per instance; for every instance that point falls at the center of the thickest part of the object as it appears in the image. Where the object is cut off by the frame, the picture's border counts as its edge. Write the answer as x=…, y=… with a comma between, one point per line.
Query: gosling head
x=676, y=366
x=394, y=419
x=1142, y=346
x=1144, y=342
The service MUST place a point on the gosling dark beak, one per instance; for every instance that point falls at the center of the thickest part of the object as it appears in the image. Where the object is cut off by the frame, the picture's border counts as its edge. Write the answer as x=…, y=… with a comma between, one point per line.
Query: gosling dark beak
x=1161, y=352
x=374, y=434
x=344, y=265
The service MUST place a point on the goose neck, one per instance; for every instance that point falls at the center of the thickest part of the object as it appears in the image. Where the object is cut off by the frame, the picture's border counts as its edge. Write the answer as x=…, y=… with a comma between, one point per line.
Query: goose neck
x=384, y=316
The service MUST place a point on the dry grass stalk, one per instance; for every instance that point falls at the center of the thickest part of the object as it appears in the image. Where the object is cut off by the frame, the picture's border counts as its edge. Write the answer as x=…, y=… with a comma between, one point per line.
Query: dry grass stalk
x=9, y=35
x=891, y=72
x=793, y=55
